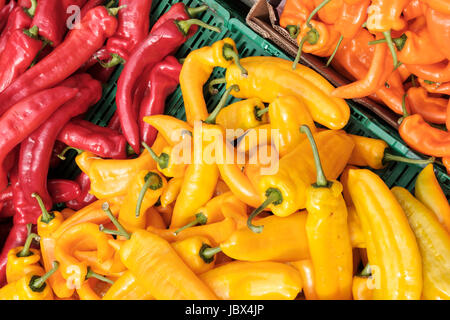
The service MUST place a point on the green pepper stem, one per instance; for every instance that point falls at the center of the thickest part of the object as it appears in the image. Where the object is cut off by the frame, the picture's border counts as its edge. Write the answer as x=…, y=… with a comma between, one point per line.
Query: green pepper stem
x=316, y=9
x=212, y=83
x=399, y=42
x=115, y=60
x=207, y=253
x=405, y=112
x=391, y=157
x=121, y=230
x=229, y=53
x=46, y=216
x=184, y=25
x=335, y=50
x=260, y=112
x=130, y=150
x=200, y=218
x=390, y=44
x=33, y=32
x=110, y=4
x=92, y=274
x=366, y=272
x=321, y=179
x=312, y=36
x=25, y=252
x=62, y=155
x=212, y=117
x=162, y=160
x=272, y=196
x=37, y=284
x=293, y=30
x=152, y=181
x=195, y=11
x=115, y=11
x=32, y=9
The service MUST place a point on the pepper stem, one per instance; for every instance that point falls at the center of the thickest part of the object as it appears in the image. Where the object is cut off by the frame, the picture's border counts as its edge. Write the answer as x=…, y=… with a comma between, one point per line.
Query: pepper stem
x=321, y=179
x=312, y=36
x=110, y=4
x=32, y=9
x=195, y=11
x=115, y=11
x=115, y=60
x=152, y=181
x=273, y=196
x=207, y=253
x=46, y=216
x=184, y=25
x=121, y=230
x=200, y=218
x=399, y=42
x=37, y=284
x=366, y=272
x=316, y=9
x=391, y=157
x=212, y=83
x=212, y=117
x=33, y=32
x=390, y=44
x=405, y=112
x=63, y=153
x=335, y=50
x=25, y=252
x=229, y=53
x=92, y=274
x=260, y=112
x=162, y=160
x=293, y=30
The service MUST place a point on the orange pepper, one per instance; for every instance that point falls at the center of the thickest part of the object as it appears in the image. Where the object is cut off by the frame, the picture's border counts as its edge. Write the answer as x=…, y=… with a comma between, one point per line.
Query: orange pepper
x=419, y=48
x=294, y=14
x=329, y=12
x=435, y=87
x=432, y=109
x=438, y=24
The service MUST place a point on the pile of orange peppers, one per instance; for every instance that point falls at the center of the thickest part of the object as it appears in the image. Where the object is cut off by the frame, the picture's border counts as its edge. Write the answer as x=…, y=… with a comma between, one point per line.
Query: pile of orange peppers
x=395, y=51
x=178, y=221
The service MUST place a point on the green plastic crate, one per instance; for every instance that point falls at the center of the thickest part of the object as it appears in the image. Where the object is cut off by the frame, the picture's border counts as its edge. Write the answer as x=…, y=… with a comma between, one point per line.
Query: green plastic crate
x=251, y=44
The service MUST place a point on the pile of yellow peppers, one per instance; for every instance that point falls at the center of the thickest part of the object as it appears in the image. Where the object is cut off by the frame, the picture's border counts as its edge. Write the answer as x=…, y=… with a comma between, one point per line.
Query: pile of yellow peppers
x=322, y=225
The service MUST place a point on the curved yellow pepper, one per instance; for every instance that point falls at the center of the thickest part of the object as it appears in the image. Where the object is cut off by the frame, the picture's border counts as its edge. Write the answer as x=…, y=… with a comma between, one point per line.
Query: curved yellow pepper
x=244, y=114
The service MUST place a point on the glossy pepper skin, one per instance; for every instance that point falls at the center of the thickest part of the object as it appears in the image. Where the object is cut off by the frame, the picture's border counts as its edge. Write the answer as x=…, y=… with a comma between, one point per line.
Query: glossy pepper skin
x=351, y=18
x=438, y=25
x=148, y=257
x=419, y=48
x=171, y=129
x=360, y=288
x=317, y=38
x=36, y=149
x=306, y=270
x=30, y=113
x=437, y=72
x=384, y=15
x=189, y=250
x=50, y=19
x=126, y=287
x=18, y=266
x=434, y=244
x=96, y=26
x=23, y=289
x=16, y=237
x=398, y=260
x=5, y=13
x=163, y=80
x=269, y=281
x=17, y=20
x=269, y=78
x=63, y=190
x=87, y=136
x=20, y=50
x=133, y=27
x=432, y=109
x=85, y=198
x=294, y=14
x=243, y=115
x=428, y=191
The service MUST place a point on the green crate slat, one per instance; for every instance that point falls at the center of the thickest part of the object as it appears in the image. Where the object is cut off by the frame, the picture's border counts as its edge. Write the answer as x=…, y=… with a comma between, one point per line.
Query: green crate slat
x=250, y=43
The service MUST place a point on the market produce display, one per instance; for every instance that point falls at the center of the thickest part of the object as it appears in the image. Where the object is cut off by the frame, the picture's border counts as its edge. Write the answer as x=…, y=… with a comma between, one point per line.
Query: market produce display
x=258, y=186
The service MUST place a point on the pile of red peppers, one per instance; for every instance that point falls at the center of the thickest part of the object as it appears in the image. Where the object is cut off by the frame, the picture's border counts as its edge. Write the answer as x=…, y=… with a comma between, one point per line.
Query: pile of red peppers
x=51, y=73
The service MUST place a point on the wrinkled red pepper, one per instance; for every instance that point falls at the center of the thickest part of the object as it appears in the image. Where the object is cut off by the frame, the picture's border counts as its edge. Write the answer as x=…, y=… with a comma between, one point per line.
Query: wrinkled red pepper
x=63, y=190
x=163, y=80
x=90, y=4
x=85, y=198
x=36, y=149
x=87, y=136
x=79, y=45
x=5, y=12
x=20, y=51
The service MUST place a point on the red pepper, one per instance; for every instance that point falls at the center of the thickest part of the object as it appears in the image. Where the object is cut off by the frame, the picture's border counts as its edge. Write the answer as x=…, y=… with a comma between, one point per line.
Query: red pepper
x=100, y=73
x=158, y=44
x=6, y=197
x=58, y=147
x=20, y=51
x=80, y=44
x=18, y=19
x=114, y=122
x=17, y=236
x=163, y=80
x=26, y=116
x=87, y=136
x=5, y=12
x=85, y=198
x=62, y=190
x=36, y=149
x=132, y=29
x=90, y=4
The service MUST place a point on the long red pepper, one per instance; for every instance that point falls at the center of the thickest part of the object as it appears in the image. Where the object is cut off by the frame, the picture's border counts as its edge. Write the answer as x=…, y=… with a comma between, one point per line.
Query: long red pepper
x=90, y=4
x=20, y=51
x=79, y=45
x=19, y=19
x=133, y=27
x=36, y=149
x=5, y=12
x=87, y=136
x=159, y=43
x=163, y=80
x=63, y=190
x=26, y=116
x=85, y=198
x=50, y=18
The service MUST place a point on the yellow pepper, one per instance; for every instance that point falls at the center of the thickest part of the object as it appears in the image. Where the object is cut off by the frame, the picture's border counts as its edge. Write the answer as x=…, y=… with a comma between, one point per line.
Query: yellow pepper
x=429, y=192
x=127, y=288
x=190, y=250
x=47, y=221
x=171, y=191
x=168, y=162
x=434, y=245
x=197, y=68
x=391, y=245
x=29, y=287
x=143, y=192
x=239, y=280
x=328, y=234
x=306, y=270
x=269, y=78
x=355, y=229
x=361, y=289
x=244, y=114
x=170, y=130
x=260, y=135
